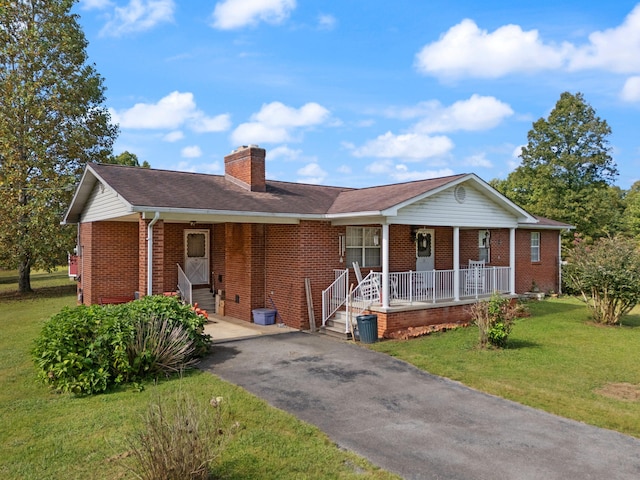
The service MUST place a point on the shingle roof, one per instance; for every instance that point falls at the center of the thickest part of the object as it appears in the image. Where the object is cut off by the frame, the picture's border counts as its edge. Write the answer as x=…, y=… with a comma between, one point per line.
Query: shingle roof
x=168, y=189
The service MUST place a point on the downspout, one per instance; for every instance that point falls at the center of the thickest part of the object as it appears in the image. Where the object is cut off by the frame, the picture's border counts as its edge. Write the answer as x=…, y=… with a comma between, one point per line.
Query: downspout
x=156, y=217
x=560, y=262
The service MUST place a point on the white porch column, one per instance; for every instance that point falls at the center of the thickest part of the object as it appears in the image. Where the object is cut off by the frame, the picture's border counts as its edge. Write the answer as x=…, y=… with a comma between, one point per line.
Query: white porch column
x=385, y=266
x=512, y=260
x=456, y=263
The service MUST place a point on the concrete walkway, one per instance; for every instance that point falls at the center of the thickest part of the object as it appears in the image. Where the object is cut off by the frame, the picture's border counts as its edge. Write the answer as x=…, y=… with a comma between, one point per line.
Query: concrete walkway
x=225, y=329
x=415, y=424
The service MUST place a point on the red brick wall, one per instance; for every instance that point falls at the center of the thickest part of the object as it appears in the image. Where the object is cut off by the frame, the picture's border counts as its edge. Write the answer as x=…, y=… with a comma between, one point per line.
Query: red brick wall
x=389, y=322
x=544, y=273
x=244, y=269
x=109, y=261
x=295, y=252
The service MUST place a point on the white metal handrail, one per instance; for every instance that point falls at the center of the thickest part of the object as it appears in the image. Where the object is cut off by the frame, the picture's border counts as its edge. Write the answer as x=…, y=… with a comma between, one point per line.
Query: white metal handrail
x=363, y=296
x=335, y=296
x=184, y=286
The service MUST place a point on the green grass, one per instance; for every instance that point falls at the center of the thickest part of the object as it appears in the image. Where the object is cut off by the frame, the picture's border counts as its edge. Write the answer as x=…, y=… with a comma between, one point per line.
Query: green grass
x=41, y=282
x=52, y=436
x=555, y=360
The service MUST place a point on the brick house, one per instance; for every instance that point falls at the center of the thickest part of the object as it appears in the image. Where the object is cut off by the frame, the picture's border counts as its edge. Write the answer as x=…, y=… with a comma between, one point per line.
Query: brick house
x=426, y=249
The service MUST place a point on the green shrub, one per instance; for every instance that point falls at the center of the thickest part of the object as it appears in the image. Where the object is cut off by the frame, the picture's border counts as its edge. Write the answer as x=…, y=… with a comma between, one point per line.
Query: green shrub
x=86, y=350
x=494, y=319
x=607, y=277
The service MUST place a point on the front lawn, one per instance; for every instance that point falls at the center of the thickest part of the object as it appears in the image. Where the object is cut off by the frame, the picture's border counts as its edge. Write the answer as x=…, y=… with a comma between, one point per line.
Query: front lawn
x=53, y=436
x=555, y=360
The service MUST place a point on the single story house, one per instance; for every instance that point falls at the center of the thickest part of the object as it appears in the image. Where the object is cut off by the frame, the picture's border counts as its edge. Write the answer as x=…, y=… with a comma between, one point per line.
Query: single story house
x=414, y=253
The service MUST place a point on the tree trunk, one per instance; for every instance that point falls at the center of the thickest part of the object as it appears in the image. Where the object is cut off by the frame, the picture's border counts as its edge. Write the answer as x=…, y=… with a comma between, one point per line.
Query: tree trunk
x=24, y=276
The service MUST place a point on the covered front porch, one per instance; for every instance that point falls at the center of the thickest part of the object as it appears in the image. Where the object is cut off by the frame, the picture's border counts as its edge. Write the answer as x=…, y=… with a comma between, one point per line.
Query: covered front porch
x=397, y=297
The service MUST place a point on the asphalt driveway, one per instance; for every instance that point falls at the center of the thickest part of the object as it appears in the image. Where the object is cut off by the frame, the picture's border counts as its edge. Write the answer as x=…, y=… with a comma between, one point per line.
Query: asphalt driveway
x=415, y=424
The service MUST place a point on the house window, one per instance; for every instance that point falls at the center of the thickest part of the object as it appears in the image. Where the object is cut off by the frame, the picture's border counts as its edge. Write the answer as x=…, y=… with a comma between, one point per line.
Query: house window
x=484, y=246
x=363, y=246
x=535, y=246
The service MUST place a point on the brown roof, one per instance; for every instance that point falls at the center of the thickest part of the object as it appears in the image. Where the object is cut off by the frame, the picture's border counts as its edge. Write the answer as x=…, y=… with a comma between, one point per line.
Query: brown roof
x=386, y=196
x=143, y=187
x=168, y=189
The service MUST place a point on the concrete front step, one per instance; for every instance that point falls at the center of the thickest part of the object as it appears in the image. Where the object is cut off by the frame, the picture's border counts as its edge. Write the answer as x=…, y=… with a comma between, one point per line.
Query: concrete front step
x=204, y=298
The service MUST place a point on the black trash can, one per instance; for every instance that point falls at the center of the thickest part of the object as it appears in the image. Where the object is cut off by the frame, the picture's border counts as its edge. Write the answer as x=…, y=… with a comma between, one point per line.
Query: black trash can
x=368, y=328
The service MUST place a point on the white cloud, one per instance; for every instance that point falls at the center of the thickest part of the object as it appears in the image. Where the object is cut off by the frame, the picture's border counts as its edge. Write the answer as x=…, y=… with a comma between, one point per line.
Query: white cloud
x=171, y=112
x=466, y=50
x=344, y=169
x=95, y=4
x=631, y=90
x=285, y=153
x=476, y=113
x=478, y=160
x=615, y=49
x=230, y=14
x=326, y=22
x=411, y=146
x=192, y=151
x=173, y=136
x=276, y=122
x=401, y=173
x=138, y=16
x=312, y=173
x=202, y=124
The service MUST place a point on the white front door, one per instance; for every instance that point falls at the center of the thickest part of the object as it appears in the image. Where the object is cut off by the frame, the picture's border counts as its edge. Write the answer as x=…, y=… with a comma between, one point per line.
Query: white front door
x=196, y=256
x=425, y=248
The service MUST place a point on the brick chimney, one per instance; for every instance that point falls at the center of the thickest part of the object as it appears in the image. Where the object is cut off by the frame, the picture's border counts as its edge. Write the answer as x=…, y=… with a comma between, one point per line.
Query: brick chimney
x=245, y=167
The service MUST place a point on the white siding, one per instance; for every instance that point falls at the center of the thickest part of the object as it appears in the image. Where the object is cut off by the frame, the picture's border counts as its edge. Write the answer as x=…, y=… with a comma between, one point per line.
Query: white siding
x=442, y=209
x=103, y=204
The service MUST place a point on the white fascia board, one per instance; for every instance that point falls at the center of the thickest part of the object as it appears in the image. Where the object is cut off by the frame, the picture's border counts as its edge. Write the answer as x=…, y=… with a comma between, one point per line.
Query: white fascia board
x=202, y=215
x=537, y=226
x=88, y=182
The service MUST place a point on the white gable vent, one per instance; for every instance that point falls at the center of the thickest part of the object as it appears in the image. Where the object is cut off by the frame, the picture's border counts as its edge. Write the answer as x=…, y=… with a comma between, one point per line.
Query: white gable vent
x=460, y=194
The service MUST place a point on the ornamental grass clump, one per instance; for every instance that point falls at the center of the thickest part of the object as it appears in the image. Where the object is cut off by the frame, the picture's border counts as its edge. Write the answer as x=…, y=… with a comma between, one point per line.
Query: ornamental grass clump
x=179, y=439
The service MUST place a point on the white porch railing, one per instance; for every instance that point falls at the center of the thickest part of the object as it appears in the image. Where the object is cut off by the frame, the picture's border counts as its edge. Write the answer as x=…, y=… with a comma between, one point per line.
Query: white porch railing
x=438, y=285
x=411, y=287
x=184, y=286
x=336, y=295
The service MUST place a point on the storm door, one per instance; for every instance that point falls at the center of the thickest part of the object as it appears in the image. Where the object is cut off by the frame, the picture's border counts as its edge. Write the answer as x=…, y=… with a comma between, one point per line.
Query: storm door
x=196, y=256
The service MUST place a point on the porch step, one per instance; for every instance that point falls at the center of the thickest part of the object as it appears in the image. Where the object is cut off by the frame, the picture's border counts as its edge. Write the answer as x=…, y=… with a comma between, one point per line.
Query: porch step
x=204, y=298
x=336, y=326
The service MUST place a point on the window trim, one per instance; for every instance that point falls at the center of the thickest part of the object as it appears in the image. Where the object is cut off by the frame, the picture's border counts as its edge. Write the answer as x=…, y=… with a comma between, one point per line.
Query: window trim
x=535, y=247
x=375, y=232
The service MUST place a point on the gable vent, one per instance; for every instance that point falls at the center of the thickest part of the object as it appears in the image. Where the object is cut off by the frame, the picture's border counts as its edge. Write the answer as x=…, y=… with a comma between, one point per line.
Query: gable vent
x=460, y=194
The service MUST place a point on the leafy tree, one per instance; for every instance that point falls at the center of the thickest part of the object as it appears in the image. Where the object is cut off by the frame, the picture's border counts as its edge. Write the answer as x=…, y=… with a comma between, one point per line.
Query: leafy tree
x=632, y=211
x=127, y=158
x=607, y=275
x=52, y=123
x=567, y=171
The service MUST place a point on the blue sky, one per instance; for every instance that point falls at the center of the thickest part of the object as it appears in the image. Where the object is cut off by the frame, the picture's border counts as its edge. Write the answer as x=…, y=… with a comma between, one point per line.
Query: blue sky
x=360, y=92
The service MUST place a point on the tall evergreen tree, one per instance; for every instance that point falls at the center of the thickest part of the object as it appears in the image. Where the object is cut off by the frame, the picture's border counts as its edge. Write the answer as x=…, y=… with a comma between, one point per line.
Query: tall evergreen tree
x=52, y=122
x=567, y=171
